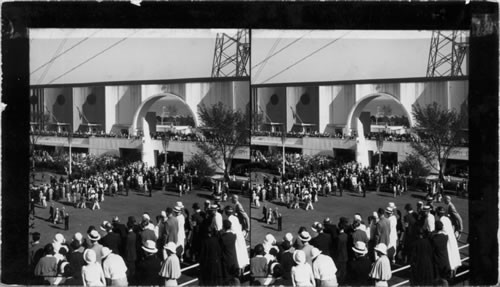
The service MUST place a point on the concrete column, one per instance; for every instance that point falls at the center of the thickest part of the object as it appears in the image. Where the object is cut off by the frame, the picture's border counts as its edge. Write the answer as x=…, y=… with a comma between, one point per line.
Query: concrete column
x=361, y=150
x=326, y=96
x=79, y=97
x=112, y=96
x=147, y=152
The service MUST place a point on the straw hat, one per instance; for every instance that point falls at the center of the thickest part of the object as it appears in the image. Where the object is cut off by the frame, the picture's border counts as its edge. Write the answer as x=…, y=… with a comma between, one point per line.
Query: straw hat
x=288, y=237
x=78, y=237
x=299, y=257
x=315, y=252
x=177, y=209
x=382, y=248
x=426, y=208
x=360, y=248
x=171, y=246
x=89, y=256
x=304, y=236
x=105, y=251
x=179, y=204
x=94, y=235
x=149, y=246
x=388, y=210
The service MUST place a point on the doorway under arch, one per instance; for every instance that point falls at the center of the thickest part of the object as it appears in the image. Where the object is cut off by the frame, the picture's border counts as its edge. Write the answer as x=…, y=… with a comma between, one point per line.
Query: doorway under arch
x=354, y=122
x=360, y=105
x=139, y=121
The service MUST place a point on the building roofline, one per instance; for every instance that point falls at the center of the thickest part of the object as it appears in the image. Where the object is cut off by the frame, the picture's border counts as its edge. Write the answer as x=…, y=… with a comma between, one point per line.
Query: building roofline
x=364, y=81
x=145, y=82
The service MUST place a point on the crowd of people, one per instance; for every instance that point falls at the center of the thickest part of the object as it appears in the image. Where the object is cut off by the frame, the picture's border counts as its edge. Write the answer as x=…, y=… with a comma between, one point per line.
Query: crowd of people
x=304, y=192
x=358, y=252
x=148, y=252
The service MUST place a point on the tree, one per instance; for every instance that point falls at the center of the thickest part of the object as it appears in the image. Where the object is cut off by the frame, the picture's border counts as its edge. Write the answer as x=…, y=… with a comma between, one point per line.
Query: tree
x=225, y=131
x=199, y=162
x=439, y=133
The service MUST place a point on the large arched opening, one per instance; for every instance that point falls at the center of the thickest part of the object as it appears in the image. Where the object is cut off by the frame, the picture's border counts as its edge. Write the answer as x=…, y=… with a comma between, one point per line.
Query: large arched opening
x=142, y=121
x=358, y=123
x=139, y=123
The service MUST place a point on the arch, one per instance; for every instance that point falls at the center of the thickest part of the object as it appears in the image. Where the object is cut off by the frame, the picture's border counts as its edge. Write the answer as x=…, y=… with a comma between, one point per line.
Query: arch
x=140, y=113
x=361, y=104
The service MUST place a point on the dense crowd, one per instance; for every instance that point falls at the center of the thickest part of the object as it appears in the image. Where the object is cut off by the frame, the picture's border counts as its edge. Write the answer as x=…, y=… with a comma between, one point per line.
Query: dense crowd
x=303, y=192
x=148, y=252
x=359, y=252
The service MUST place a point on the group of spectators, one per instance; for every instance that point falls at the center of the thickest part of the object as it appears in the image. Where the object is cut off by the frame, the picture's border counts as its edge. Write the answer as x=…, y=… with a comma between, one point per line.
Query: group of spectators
x=148, y=252
x=303, y=192
x=360, y=252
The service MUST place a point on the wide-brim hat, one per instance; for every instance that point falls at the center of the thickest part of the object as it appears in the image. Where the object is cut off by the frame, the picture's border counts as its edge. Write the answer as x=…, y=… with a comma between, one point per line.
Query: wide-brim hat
x=213, y=207
x=179, y=204
x=388, y=210
x=104, y=225
x=299, y=257
x=426, y=208
x=171, y=246
x=392, y=205
x=382, y=248
x=89, y=256
x=315, y=252
x=149, y=246
x=177, y=209
x=94, y=235
x=305, y=236
x=105, y=251
x=360, y=248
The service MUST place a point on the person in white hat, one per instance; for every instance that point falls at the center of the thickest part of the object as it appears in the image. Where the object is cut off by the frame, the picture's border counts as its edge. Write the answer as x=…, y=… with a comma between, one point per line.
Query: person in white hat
x=171, y=267
x=429, y=220
x=359, y=267
x=302, y=274
x=181, y=233
x=393, y=233
x=115, y=270
x=381, y=270
x=305, y=237
x=92, y=273
x=324, y=269
x=94, y=237
x=148, y=268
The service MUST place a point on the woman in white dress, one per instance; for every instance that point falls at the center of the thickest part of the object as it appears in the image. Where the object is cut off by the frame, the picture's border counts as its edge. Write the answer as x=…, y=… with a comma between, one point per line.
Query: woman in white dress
x=92, y=274
x=181, y=234
x=241, y=247
x=453, y=251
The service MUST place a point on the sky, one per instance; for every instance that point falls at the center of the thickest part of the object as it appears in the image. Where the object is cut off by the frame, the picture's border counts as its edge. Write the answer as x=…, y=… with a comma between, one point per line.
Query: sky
x=337, y=55
x=113, y=55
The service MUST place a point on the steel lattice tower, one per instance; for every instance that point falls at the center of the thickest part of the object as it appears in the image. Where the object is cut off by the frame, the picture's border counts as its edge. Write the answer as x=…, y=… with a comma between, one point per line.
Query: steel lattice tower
x=231, y=55
x=447, y=52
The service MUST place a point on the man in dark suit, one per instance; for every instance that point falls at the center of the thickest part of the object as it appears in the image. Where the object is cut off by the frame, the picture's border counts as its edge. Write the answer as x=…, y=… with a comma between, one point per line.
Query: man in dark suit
x=196, y=220
x=332, y=230
x=358, y=269
x=323, y=241
x=76, y=261
x=439, y=242
x=111, y=240
x=228, y=247
x=148, y=268
x=410, y=229
x=287, y=262
x=341, y=256
x=130, y=251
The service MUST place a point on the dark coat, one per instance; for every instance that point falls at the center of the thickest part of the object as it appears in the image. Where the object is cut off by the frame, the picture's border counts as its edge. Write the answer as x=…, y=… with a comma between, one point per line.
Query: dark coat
x=358, y=270
x=410, y=231
x=341, y=248
x=287, y=263
x=422, y=272
x=130, y=249
x=210, y=261
x=197, y=220
x=229, y=260
x=113, y=241
x=441, y=262
x=148, y=270
x=76, y=262
x=324, y=243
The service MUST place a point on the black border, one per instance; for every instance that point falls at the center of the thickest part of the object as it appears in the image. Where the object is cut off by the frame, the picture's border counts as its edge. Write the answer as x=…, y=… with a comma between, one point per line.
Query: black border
x=483, y=99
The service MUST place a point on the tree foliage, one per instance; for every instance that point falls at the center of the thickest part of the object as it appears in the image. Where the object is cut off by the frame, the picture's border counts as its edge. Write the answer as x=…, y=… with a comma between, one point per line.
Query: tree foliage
x=200, y=163
x=413, y=163
x=439, y=133
x=225, y=130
